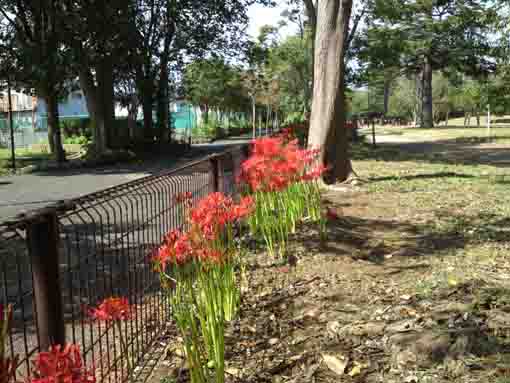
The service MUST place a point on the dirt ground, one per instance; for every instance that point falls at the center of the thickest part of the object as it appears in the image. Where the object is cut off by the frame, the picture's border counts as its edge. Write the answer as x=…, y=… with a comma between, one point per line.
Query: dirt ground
x=412, y=284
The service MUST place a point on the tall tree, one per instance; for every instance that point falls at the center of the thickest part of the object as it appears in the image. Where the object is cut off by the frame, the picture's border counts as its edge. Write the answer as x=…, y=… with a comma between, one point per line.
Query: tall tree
x=96, y=33
x=423, y=36
x=36, y=30
x=327, y=126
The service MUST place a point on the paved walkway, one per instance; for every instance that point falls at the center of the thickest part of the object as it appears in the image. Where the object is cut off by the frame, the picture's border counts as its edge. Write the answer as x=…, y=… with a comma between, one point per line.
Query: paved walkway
x=22, y=193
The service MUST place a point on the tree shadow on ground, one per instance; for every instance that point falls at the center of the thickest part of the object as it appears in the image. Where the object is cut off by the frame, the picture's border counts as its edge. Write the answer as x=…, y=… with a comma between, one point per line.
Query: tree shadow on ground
x=454, y=151
x=422, y=176
x=151, y=163
x=376, y=240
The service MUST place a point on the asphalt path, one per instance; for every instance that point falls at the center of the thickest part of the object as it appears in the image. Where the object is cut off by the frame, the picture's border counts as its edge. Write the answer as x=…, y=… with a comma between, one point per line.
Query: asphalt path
x=22, y=193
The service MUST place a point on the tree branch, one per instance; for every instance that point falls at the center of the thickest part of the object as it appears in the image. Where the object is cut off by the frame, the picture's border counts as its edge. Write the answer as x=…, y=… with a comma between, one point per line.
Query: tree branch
x=312, y=12
x=354, y=28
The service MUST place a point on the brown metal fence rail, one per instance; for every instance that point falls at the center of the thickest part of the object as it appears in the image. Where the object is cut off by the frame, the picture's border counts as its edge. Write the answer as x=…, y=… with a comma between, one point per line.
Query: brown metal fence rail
x=57, y=262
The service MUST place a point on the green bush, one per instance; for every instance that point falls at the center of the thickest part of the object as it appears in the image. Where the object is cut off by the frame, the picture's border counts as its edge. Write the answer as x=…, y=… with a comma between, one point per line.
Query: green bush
x=295, y=118
x=76, y=127
x=77, y=140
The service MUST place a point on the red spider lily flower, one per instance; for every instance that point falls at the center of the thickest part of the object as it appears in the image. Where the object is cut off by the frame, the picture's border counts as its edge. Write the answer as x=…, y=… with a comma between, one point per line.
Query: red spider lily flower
x=315, y=173
x=61, y=365
x=112, y=309
x=214, y=212
x=332, y=215
x=277, y=162
x=210, y=255
x=244, y=208
x=176, y=250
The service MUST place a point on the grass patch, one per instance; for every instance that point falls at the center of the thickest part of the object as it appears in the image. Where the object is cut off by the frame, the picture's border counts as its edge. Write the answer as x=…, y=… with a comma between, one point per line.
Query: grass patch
x=463, y=210
x=24, y=157
x=499, y=133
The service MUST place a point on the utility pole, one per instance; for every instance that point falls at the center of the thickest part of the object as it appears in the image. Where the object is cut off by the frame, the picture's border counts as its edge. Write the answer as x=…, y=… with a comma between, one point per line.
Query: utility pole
x=11, y=125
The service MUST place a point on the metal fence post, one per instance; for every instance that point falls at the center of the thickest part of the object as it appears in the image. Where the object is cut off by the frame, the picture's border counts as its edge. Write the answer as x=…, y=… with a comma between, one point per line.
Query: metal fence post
x=43, y=239
x=217, y=170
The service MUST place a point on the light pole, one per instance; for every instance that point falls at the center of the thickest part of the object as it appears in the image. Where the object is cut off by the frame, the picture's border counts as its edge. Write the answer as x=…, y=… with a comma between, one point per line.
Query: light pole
x=11, y=125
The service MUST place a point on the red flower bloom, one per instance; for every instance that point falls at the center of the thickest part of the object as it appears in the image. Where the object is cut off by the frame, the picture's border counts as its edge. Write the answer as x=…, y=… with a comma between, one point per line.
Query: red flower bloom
x=217, y=210
x=210, y=255
x=176, y=249
x=112, y=309
x=315, y=173
x=61, y=365
x=332, y=215
x=276, y=163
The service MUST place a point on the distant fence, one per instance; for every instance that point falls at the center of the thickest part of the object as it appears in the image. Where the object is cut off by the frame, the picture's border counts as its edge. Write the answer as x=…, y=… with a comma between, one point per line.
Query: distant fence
x=23, y=138
x=56, y=262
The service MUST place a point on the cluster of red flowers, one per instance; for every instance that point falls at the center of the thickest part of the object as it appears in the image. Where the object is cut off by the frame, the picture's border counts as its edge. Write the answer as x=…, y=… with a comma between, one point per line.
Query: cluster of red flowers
x=208, y=220
x=276, y=163
x=61, y=365
x=217, y=210
x=176, y=250
x=112, y=309
x=7, y=365
x=180, y=249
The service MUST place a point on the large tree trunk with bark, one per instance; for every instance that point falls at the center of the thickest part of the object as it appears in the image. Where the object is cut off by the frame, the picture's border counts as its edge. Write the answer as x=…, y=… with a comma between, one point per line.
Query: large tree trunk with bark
x=131, y=119
x=94, y=97
x=387, y=93
x=311, y=13
x=147, y=105
x=327, y=125
x=427, y=104
x=163, y=113
x=106, y=98
x=54, y=136
x=418, y=108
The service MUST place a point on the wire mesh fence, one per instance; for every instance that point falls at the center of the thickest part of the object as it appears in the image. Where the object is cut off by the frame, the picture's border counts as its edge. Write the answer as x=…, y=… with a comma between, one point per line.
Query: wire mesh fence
x=57, y=263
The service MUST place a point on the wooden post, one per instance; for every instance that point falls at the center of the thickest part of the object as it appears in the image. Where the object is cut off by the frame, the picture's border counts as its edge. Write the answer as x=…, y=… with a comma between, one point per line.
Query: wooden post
x=43, y=238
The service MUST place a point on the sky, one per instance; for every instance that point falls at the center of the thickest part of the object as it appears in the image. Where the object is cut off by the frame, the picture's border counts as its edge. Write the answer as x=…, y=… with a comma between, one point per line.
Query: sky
x=260, y=16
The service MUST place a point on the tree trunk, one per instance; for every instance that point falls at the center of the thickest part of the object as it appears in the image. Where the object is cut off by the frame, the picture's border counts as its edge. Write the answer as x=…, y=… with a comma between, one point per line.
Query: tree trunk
x=54, y=136
x=163, y=106
x=427, y=104
x=94, y=108
x=447, y=116
x=106, y=98
x=311, y=12
x=131, y=120
x=327, y=125
x=254, y=116
x=418, y=108
x=478, y=118
x=147, y=104
x=205, y=114
x=387, y=93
